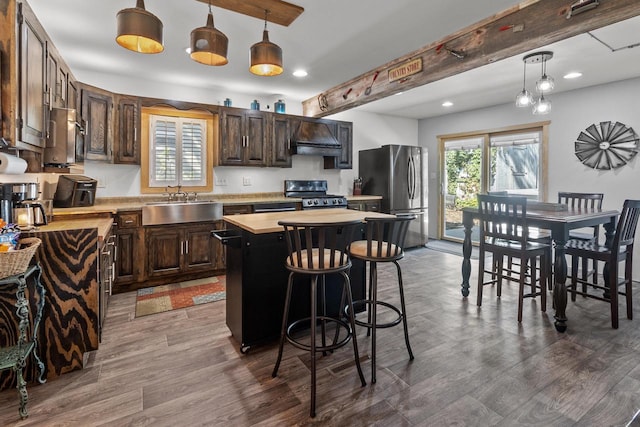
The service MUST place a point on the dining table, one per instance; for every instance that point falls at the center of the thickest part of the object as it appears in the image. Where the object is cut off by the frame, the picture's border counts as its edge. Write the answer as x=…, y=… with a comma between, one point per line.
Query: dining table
x=559, y=219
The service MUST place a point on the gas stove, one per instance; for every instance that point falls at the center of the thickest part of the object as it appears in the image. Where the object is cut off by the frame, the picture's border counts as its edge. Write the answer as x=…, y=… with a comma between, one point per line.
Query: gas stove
x=313, y=194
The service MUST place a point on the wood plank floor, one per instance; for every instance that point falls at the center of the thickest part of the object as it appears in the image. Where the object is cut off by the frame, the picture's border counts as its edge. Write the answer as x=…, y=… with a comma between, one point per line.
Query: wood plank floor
x=473, y=366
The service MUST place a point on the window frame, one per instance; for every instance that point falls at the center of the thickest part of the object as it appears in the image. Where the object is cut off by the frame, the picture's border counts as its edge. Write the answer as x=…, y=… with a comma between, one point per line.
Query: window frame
x=210, y=142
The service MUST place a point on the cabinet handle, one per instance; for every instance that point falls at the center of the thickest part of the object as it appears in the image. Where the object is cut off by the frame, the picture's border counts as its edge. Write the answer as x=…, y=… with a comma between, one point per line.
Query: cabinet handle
x=181, y=248
x=186, y=246
x=128, y=221
x=289, y=144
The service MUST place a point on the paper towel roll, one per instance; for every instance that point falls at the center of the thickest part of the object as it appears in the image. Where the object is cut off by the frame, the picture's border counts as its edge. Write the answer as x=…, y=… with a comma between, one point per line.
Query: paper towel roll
x=10, y=164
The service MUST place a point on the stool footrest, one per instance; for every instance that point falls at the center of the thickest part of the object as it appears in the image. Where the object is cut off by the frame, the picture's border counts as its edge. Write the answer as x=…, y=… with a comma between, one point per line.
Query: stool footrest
x=319, y=348
x=377, y=325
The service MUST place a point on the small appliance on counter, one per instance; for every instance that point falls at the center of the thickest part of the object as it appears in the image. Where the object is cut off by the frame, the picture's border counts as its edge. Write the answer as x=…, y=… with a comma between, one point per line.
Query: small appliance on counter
x=19, y=204
x=75, y=191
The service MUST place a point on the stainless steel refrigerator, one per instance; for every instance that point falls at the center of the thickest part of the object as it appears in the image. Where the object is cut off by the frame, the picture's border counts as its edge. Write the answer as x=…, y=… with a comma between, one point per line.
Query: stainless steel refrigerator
x=398, y=173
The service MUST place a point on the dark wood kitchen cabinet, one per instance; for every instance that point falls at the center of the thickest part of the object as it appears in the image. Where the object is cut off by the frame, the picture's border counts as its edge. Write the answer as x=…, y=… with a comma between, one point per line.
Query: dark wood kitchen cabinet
x=128, y=268
x=243, y=137
x=280, y=154
x=184, y=248
x=127, y=132
x=32, y=122
x=343, y=131
x=364, y=205
x=97, y=113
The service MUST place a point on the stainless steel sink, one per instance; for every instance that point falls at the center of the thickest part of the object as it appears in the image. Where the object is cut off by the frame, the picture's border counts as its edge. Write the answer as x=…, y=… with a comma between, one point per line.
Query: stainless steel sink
x=157, y=213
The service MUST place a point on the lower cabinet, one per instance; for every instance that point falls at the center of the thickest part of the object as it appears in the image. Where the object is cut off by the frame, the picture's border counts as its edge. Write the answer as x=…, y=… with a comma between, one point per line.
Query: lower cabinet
x=128, y=268
x=184, y=248
x=364, y=205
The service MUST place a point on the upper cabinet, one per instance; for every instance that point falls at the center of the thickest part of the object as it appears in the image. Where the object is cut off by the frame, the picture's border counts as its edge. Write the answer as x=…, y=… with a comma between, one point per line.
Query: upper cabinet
x=127, y=131
x=243, y=137
x=343, y=131
x=35, y=79
x=97, y=113
x=34, y=99
x=280, y=152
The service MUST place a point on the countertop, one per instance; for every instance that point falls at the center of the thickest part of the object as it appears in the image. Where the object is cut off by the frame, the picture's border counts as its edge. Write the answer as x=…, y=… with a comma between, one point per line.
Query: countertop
x=115, y=205
x=102, y=224
x=261, y=223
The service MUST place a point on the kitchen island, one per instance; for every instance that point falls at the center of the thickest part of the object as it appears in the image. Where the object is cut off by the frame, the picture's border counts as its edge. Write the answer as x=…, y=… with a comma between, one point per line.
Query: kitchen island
x=257, y=277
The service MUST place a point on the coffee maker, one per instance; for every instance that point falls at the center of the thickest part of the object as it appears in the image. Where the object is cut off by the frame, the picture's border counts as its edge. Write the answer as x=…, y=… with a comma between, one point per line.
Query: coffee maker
x=18, y=204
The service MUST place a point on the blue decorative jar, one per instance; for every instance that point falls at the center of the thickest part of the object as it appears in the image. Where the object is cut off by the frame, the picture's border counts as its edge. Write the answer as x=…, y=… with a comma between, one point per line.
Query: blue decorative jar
x=279, y=106
x=227, y=102
x=255, y=105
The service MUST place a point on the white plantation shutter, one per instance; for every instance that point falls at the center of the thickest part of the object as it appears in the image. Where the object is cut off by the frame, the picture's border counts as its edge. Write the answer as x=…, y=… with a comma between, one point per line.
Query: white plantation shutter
x=177, y=154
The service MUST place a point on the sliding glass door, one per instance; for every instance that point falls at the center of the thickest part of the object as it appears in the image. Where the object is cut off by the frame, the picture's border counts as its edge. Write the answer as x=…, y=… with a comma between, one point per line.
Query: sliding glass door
x=506, y=162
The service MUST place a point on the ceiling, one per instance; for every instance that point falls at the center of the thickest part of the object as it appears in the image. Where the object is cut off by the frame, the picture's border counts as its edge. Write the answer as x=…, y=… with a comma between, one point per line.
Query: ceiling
x=335, y=41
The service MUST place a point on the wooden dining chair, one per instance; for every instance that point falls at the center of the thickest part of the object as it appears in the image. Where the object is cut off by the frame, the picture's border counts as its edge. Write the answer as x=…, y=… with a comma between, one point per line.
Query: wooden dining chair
x=584, y=201
x=504, y=232
x=621, y=249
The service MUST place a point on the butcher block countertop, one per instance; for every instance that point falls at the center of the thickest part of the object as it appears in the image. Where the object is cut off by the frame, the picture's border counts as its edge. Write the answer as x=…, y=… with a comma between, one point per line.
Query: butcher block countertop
x=261, y=223
x=102, y=224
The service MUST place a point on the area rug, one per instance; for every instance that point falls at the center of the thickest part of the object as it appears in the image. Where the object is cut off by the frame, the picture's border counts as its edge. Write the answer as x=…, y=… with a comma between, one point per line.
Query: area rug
x=163, y=298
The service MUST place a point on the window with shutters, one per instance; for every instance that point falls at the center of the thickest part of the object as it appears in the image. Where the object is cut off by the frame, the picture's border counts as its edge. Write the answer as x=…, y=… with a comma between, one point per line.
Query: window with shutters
x=177, y=150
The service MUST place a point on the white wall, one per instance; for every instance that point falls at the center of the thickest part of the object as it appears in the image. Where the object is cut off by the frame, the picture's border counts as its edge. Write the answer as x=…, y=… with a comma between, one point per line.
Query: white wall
x=572, y=112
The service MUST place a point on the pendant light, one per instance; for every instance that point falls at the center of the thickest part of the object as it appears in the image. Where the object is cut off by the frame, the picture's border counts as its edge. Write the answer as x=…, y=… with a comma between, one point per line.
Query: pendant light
x=543, y=106
x=266, y=57
x=139, y=30
x=209, y=45
x=524, y=99
x=546, y=83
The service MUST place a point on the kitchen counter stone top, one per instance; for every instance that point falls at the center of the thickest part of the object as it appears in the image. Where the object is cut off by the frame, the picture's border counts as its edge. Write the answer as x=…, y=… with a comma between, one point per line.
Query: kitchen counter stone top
x=260, y=223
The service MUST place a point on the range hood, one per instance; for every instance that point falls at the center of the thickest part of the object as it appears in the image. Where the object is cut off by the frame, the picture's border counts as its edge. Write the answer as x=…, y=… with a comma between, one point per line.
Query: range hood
x=314, y=139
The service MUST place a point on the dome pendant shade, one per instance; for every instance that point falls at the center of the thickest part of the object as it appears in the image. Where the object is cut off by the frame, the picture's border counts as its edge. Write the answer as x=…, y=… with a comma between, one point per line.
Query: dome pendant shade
x=209, y=45
x=266, y=57
x=139, y=30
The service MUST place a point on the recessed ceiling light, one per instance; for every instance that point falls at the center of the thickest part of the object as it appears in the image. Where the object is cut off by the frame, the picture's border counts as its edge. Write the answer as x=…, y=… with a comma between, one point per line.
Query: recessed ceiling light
x=447, y=104
x=573, y=75
x=188, y=50
x=300, y=73
x=399, y=93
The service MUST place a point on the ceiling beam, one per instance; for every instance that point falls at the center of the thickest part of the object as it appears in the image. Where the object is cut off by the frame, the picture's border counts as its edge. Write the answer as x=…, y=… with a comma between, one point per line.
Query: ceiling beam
x=529, y=25
x=280, y=12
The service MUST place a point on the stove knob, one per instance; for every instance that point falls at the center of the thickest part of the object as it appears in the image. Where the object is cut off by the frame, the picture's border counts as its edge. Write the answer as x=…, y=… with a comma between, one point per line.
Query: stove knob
x=325, y=201
x=335, y=201
x=315, y=202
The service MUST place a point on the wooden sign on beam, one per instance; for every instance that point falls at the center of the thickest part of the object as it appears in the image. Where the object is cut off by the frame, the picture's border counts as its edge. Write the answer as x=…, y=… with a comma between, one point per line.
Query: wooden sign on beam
x=530, y=25
x=280, y=12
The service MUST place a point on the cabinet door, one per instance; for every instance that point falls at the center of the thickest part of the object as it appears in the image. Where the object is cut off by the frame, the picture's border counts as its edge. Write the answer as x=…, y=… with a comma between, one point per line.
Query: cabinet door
x=164, y=250
x=72, y=95
x=33, y=99
x=256, y=132
x=343, y=133
x=280, y=141
x=127, y=144
x=199, y=250
x=97, y=114
x=232, y=138
x=126, y=269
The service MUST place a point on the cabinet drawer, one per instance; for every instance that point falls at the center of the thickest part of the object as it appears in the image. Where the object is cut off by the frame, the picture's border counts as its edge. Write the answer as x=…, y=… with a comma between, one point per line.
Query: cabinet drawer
x=128, y=220
x=237, y=209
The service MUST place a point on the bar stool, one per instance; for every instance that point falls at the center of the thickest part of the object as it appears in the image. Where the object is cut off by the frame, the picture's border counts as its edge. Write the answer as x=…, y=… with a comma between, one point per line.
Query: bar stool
x=315, y=250
x=384, y=242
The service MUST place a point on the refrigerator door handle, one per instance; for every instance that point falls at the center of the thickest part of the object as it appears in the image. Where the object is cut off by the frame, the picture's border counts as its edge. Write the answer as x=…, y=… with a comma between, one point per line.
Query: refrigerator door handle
x=411, y=178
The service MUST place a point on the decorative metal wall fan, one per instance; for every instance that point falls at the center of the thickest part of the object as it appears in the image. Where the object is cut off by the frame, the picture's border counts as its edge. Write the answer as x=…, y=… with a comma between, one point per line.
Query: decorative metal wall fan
x=609, y=147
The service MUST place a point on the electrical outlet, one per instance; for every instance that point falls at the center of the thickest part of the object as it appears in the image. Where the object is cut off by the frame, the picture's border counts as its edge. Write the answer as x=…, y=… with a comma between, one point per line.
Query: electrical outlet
x=221, y=181
x=246, y=180
x=102, y=182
